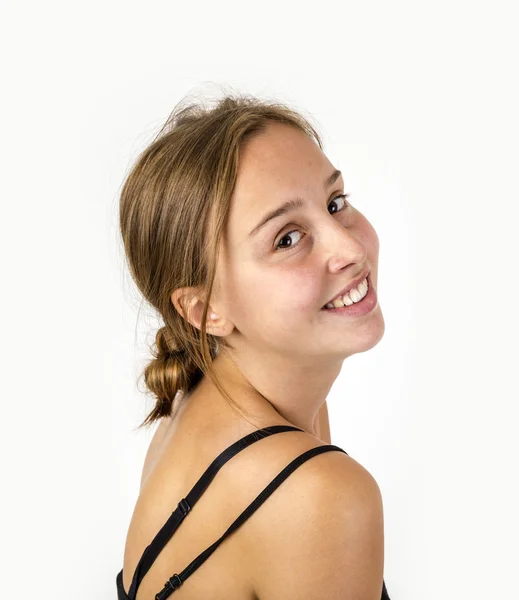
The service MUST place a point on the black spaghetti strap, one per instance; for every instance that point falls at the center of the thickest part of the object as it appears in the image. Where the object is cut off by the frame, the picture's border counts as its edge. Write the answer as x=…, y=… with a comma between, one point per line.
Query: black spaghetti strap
x=184, y=506
x=176, y=580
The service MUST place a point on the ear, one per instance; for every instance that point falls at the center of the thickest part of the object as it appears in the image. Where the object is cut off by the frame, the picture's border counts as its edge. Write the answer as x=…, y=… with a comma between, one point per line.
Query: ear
x=192, y=301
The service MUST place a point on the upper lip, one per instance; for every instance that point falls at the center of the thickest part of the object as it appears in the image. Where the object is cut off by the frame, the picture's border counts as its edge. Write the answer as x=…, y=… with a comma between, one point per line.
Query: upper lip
x=350, y=286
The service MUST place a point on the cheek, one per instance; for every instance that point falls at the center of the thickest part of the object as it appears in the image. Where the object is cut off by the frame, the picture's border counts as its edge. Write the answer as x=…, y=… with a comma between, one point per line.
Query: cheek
x=284, y=294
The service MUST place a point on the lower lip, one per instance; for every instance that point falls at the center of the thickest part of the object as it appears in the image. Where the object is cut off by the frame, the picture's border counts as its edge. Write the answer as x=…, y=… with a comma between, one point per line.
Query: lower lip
x=365, y=306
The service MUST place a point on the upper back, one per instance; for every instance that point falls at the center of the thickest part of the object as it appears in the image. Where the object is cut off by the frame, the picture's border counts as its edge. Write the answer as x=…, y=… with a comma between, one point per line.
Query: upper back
x=240, y=567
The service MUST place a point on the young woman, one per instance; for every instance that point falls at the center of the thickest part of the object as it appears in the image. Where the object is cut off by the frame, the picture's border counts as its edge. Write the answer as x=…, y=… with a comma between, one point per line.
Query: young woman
x=239, y=232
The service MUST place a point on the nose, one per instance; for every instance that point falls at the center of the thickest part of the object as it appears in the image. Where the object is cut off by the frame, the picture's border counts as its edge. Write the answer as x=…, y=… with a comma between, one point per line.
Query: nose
x=341, y=247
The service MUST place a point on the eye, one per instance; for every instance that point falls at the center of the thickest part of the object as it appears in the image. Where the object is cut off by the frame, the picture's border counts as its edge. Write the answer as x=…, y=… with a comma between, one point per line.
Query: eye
x=342, y=200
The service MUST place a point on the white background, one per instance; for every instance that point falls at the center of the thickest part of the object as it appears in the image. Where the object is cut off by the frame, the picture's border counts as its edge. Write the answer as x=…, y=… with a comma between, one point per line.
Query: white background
x=418, y=104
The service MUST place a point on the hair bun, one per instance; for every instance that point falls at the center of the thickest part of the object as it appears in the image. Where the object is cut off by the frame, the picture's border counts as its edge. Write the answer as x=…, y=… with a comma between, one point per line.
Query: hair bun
x=179, y=354
x=165, y=343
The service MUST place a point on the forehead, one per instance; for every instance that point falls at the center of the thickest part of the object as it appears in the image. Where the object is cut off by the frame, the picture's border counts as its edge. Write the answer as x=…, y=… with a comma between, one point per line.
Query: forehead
x=276, y=165
x=280, y=158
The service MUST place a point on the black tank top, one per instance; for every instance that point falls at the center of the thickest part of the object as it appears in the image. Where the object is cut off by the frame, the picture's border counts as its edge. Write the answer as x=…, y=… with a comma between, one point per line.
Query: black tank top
x=184, y=506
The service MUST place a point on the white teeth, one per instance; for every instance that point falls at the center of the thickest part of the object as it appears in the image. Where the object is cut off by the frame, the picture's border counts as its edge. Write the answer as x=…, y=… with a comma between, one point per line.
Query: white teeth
x=354, y=296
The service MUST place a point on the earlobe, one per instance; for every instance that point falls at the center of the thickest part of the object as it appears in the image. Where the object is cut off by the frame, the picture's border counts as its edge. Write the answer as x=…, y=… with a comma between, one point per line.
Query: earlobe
x=217, y=325
x=193, y=306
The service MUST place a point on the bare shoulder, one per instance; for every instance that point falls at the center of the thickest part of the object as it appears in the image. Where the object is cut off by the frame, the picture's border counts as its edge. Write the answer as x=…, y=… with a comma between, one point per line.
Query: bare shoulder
x=321, y=534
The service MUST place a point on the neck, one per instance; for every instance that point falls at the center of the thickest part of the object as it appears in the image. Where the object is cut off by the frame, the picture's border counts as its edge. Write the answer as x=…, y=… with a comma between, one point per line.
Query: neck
x=290, y=390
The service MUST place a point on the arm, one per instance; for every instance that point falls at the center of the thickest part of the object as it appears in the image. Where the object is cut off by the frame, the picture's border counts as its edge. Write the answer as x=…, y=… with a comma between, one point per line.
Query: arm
x=329, y=541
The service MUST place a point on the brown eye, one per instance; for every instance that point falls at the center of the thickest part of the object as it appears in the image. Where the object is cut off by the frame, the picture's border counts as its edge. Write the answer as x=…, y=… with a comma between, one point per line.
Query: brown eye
x=286, y=236
x=343, y=198
x=343, y=205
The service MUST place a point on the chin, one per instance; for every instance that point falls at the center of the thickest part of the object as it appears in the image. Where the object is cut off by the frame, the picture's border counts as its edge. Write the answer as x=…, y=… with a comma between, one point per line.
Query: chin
x=363, y=340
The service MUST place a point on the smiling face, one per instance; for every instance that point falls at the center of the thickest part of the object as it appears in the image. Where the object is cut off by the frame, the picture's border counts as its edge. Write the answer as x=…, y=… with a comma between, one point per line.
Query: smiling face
x=274, y=278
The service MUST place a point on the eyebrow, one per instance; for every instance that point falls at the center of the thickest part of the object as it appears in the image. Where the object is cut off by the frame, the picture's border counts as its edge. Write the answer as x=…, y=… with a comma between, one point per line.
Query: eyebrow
x=291, y=205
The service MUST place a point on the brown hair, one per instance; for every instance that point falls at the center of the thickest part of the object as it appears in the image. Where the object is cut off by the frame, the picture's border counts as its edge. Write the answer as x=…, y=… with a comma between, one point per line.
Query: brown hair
x=174, y=205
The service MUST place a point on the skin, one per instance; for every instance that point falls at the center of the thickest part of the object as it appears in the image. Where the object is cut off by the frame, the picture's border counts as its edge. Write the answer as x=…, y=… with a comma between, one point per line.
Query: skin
x=286, y=352
x=285, y=355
